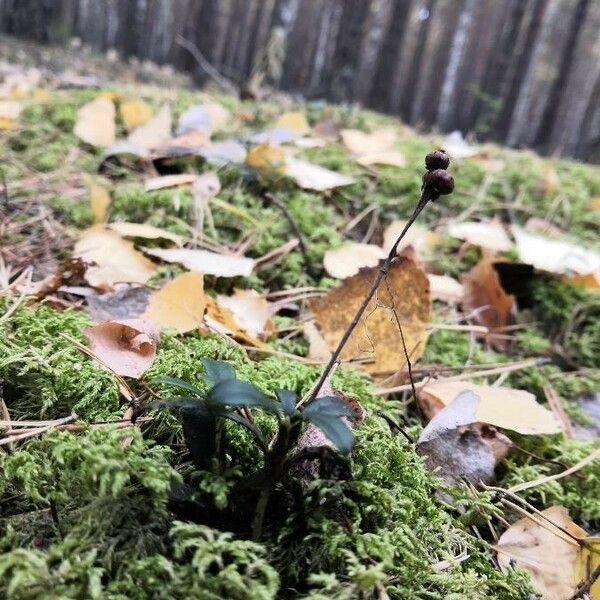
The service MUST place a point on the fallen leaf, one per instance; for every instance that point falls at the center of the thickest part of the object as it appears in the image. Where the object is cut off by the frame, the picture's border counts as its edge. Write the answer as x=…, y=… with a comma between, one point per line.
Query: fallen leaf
x=267, y=159
x=275, y=136
x=99, y=199
x=294, y=121
x=591, y=281
x=126, y=302
x=220, y=319
x=127, y=347
x=491, y=306
x=377, y=337
x=182, y=145
x=154, y=132
x=327, y=128
x=347, y=260
x=9, y=113
x=595, y=203
x=420, y=238
x=555, y=256
x=506, y=408
x=135, y=113
x=95, y=123
x=360, y=143
x=458, y=447
x=205, y=118
x=224, y=151
x=179, y=304
x=389, y=158
x=313, y=177
x=148, y=232
x=169, y=181
x=251, y=311
x=542, y=546
x=111, y=258
x=491, y=236
x=317, y=346
x=445, y=288
x=205, y=262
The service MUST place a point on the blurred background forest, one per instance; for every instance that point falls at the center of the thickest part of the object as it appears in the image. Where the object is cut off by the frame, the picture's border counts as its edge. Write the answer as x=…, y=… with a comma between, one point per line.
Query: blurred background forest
x=522, y=72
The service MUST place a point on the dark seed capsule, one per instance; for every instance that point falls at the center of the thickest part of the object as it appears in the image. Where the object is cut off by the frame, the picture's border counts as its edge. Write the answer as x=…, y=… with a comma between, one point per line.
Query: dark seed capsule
x=437, y=160
x=440, y=182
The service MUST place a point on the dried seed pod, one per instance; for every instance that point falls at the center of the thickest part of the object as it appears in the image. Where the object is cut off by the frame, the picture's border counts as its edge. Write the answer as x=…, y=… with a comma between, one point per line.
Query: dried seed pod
x=438, y=159
x=439, y=182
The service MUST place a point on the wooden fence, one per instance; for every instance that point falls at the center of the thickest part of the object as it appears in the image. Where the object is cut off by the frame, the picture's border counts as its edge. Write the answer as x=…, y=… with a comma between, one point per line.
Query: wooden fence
x=523, y=72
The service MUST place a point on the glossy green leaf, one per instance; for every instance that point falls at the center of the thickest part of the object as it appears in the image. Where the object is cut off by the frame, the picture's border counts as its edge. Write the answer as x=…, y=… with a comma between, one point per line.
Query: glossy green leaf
x=328, y=406
x=233, y=392
x=335, y=429
x=288, y=401
x=179, y=383
x=217, y=371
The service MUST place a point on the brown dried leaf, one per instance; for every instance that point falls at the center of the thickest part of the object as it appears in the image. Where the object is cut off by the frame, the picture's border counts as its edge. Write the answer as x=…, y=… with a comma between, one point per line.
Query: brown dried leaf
x=312, y=177
x=555, y=562
x=485, y=296
x=360, y=143
x=179, y=304
x=420, y=238
x=126, y=302
x=377, y=337
x=445, y=288
x=169, y=181
x=99, y=199
x=317, y=346
x=111, y=258
x=95, y=123
x=220, y=319
x=507, y=408
x=294, y=121
x=128, y=347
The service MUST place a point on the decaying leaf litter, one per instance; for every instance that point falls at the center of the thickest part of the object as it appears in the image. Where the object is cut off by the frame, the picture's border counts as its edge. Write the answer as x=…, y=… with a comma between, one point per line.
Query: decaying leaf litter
x=152, y=243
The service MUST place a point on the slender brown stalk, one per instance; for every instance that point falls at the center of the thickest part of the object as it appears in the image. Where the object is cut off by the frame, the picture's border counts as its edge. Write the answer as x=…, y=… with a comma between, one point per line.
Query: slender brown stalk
x=426, y=196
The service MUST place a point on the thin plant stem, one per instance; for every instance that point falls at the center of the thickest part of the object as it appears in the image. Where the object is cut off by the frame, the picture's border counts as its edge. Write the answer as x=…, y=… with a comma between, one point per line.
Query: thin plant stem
x=383, y=271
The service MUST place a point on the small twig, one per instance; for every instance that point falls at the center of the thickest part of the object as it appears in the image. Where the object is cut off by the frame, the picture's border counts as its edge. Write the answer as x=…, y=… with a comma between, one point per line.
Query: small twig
x=426, y=196
x=585, y=587
x=524, y=364
x=295, y=228
x=205, y=65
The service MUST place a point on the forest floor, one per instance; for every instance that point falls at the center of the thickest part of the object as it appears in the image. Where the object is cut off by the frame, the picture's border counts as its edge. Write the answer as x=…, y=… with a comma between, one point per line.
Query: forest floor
x=152, y=231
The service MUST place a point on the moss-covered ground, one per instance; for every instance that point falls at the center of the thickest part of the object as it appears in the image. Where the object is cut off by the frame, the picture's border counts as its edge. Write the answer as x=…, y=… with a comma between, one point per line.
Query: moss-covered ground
x=85, y=515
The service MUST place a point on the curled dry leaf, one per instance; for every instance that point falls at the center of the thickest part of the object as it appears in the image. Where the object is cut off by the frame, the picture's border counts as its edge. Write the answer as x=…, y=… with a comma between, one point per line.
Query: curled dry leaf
x=142, y=230
x=312, y=177
x=542, y=545
x=204, y=118
x=347, y=260
x=169, y=181
x=491, y=236
x=95, y=123
x=127, y=347
x=179, y=304
x=507, y=408
x=555, y=256
x=251, y=311
x=205, y=262
x=486, y=298
x=99, y=199
x=376, y=340
x=220, y=319
x=111, y=259
x=135, y=113
x=445, y=288
x=420, y=238
x=317, y=346
x=457, y=446
x=154, y=132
